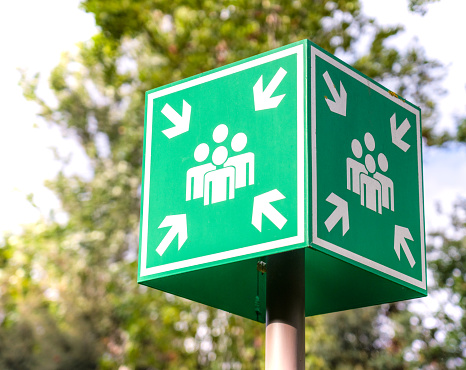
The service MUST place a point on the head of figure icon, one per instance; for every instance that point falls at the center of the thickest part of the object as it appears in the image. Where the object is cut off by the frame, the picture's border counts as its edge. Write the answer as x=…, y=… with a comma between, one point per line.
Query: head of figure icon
x=369, y=141
x=370, y=163
x=220, y=155
x=239, y=141
x=357, y=148
x=220, y=133
x=201, y=152
x=383, y=162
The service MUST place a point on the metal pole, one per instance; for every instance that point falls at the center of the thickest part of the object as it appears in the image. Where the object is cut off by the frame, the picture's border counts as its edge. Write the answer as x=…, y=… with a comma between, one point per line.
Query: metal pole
x=284, y=333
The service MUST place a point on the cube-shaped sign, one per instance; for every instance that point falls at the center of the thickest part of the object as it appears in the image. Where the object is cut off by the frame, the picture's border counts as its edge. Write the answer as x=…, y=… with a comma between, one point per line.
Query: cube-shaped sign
x=289, y=149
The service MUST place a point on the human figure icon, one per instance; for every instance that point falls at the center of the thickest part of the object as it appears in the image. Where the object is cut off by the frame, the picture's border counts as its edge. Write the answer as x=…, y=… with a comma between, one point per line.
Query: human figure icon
x=195, y=175
x=219, y=184
x=374, y=188
x=354, y=169
x=243, y=163
x=216, y=181
x=371, y=189
x=388, y=200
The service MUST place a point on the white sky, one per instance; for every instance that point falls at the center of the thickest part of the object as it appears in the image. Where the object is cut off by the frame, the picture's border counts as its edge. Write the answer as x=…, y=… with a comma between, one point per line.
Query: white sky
x=33, y=34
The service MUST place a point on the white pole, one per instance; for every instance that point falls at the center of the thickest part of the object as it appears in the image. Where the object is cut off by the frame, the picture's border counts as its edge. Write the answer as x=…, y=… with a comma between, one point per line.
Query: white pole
x=284, y=333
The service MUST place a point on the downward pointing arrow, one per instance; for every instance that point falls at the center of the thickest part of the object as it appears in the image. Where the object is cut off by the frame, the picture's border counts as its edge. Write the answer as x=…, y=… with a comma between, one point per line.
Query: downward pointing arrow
x=341, y=212
x=339, y=104
x=398, y=133
x=262, y=206
x=178, y=227
x=401, y=234
x=181, y=122
x=262, y=98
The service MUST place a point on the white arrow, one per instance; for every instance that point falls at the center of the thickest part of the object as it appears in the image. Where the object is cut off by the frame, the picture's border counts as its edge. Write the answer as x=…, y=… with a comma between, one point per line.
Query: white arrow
x=262, y=206
x=181, y=122
x=262, y=98
x=398, y=133
x=339, y=104
x=401, y=234
x=341, y=212
x=178, y=227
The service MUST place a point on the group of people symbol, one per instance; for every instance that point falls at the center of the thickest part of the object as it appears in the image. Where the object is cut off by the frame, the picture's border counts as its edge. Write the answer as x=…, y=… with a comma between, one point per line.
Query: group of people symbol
x=216, y=181
x=374, y=188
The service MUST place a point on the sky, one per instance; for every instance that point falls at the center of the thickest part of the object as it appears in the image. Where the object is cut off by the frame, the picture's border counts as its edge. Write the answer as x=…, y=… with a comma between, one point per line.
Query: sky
x=438, y=33
x=34, y=40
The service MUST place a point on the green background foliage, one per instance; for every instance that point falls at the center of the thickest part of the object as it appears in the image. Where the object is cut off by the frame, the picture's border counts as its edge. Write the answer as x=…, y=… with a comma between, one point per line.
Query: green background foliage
x=68, y=292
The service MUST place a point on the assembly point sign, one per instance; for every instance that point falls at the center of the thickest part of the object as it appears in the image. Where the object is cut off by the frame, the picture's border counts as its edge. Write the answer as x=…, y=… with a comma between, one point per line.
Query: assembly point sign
x=289, y=149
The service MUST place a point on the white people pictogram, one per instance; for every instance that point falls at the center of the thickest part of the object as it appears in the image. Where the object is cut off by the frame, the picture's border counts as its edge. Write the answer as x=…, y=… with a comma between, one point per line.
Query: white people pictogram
x=243, y=163
x=216, y=182
x=221, y=181
x=195, y=175
x=374, y=188
x=354, y=168
x=388, y=200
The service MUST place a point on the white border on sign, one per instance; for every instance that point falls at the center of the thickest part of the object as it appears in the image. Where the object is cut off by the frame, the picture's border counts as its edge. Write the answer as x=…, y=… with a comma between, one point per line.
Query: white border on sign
x=299, y=238
x=330, y=246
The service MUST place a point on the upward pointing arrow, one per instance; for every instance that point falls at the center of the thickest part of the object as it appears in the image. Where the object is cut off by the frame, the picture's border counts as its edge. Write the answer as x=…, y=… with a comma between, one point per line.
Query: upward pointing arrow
x=398, y=133
x=178, y=227
x=262, y=206
x=181, y=122
x=341, y=212
x=339, y=104
x=263, y=98
x=401, y=234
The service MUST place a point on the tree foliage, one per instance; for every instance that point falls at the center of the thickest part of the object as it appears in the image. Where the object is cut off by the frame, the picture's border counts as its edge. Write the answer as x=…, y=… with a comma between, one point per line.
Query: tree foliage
x=444, y=342
x=68, y=292
x=420, y=6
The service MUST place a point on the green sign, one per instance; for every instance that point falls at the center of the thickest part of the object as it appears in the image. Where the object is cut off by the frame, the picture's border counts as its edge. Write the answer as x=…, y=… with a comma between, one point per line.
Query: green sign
x=239, y=162
x=366, y=172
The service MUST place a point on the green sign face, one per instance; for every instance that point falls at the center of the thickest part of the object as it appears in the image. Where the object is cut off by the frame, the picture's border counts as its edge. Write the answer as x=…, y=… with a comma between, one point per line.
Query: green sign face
x=366, y=172
x=224, y=165
x=289, y=149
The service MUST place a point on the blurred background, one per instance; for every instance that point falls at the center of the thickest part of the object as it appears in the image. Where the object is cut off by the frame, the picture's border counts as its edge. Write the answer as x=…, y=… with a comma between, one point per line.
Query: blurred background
x=72, y=81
